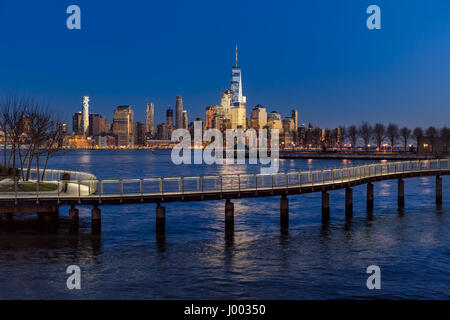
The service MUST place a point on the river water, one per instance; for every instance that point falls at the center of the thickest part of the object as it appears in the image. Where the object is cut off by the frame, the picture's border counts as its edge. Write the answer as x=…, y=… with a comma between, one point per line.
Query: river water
x=197, y=261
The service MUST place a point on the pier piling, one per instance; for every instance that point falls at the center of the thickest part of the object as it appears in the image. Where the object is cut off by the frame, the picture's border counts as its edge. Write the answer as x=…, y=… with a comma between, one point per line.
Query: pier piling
x=160, y=221
x=401, y=193
x=73, y=219
x=325, y=207
x=284, y=211
x=96, y=220
x=348, y=203
x=369, y=199
x=438, y=191
x=229, y=215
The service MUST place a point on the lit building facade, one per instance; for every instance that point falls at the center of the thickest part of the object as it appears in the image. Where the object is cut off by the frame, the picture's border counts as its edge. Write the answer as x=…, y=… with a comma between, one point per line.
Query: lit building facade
x=85, y=116
x=150, y=119
x=238, y=101
x=123, y=125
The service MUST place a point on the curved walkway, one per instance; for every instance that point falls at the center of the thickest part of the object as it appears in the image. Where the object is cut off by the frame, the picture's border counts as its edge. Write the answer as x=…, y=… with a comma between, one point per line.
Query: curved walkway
x=86, y=189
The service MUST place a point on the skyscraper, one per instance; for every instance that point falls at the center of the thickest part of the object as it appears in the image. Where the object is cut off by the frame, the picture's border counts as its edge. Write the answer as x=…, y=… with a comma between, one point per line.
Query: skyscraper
x=77, y=123
x=169, y=117
x=97, y=124
x=225, y=103
x=85, y=117
x=258, y=117
x=209, y=116
x=294, y=115
x=238, y=101
x=123, y=125
x=150, y=119
x=185, y=120
x=179, y=112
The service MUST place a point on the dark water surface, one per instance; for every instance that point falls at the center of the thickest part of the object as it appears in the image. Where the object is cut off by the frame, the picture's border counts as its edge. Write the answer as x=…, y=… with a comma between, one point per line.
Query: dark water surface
x=196, y=261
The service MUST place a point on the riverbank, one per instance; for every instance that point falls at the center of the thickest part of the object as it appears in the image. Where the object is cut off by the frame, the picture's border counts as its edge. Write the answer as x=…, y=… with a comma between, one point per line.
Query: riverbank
x=358, y=155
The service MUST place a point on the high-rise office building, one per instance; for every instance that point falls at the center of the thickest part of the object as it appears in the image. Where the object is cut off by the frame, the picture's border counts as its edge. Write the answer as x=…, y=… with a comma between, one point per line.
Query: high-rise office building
x=185, y=124
x=225, y=103
x=97, y=124
x=274, y=120
x=123, y=125
x=258, y=117
x=238, y=101
x=209, y=116
x=169, y=117
x=150, y=119
x=77, y=123
x=139, y=134
x=85, y=117
x=294, y=116
x=179, y=112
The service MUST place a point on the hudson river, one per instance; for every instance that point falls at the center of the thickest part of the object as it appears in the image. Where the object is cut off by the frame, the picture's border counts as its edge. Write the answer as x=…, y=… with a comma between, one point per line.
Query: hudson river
x=196, y=262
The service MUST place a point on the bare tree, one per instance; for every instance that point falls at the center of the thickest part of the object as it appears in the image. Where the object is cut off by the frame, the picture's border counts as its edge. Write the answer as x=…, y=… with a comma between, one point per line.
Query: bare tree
x=353, y=134
x=343, y=136
x=4, y=120
x=379, y=132
x=40, y=120
x=365, y=131
x=392, y=134
x=445, y=137
x=13, y=109
x=431, y=134
x=405, y=133
x=418, y=135
x=54, y=142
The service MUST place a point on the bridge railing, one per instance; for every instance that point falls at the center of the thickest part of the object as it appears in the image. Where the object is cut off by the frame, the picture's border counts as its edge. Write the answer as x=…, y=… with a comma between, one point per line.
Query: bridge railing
x=245, y=182
x=78, y=184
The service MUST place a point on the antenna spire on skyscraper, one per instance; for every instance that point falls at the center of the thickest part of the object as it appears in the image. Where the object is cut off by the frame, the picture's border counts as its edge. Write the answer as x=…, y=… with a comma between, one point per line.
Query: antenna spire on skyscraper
x=236, y=56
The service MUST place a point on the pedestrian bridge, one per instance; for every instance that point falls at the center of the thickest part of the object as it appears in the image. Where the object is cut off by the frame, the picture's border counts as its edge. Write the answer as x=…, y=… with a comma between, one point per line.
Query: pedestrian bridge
x=79, y=188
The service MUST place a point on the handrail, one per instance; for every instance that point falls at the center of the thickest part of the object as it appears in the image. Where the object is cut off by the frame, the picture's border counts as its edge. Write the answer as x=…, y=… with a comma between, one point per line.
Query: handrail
x=86, y=185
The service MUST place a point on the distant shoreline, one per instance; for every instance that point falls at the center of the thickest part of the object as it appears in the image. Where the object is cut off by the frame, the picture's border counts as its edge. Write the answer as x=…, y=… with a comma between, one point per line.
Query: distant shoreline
x=284, y=154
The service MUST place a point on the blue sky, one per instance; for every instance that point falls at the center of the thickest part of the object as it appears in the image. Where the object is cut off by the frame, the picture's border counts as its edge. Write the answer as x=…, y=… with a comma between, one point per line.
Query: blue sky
x=316, y=56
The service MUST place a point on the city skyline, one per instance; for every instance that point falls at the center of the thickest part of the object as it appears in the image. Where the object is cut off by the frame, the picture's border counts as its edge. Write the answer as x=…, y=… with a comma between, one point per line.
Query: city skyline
x=320, y=58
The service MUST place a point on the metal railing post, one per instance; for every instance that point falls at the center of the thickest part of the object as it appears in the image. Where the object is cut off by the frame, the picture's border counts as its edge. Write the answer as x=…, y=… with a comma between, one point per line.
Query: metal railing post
x=141, y=186
x=182, y=185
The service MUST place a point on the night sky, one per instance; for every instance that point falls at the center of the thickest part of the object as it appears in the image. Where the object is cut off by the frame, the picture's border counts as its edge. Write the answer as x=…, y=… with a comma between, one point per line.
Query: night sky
x=316, y=56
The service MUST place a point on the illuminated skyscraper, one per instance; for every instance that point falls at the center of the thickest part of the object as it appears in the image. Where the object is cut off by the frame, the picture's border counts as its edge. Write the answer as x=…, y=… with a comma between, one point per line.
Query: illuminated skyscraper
x=238, y=101
x=85, y=116
x=123, y=125
x=225, y=103
x=185, y=124
x=169, y=117
x=294, y=116
x=150, y=119
x=258, y=117
x=179, y=112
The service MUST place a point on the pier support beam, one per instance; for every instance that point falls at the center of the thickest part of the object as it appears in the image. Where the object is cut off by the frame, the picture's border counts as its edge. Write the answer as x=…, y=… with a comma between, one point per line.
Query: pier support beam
x=438, y=191
x=96, y=220
x=160, y=221
x=49, y=221
x=325, y=207
x=229, y=215
x=369, y=199
x=73, y=219
x=401, y=193
x=284, y=211
x=348, y=203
